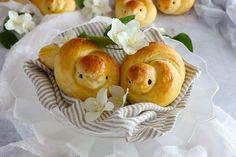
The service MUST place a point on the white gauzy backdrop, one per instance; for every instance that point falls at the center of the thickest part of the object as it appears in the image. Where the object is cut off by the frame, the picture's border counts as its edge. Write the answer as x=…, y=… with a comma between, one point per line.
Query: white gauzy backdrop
x=212, y=41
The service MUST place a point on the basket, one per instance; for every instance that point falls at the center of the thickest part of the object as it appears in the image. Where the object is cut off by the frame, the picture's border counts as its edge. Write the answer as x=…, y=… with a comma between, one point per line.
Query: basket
x=134, y=122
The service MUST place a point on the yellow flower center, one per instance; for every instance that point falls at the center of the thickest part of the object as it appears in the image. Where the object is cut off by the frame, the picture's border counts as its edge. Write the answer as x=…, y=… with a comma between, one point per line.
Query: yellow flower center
x=118, y=101
x=98, y=107
x=17, y=22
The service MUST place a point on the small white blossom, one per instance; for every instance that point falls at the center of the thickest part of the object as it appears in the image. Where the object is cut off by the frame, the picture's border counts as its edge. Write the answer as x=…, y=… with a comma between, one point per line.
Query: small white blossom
x=20, y=23
x=118, y=96
x=61, y=40
x=128, y=36
x=96, y=7
x=94, y=107
x=88, y=9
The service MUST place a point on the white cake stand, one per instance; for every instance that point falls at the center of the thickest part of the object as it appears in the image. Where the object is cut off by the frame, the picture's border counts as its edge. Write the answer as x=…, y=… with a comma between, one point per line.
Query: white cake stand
x=55, y=131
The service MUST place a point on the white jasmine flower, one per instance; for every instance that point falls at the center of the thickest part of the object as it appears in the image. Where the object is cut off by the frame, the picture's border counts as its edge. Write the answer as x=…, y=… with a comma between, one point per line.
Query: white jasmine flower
x=128, y=36
x=118, y=96
x=117, y=28
x=20, y=23
x=94, y=107
x=96, y=7
x=88, y=8
x=101, y=7
x=61, y=40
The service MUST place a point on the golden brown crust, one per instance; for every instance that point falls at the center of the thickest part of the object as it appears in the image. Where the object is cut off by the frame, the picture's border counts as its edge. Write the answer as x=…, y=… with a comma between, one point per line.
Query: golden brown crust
x=144, y=10
x=82, y=68
x=175, y=7
x=186, y=5
x=97, y=67
x=47, y=55
x=55, y=6
x=154, y=74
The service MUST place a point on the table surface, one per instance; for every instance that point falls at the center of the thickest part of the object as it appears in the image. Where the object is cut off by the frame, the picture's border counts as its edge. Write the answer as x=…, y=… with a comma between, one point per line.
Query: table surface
x=208, y=43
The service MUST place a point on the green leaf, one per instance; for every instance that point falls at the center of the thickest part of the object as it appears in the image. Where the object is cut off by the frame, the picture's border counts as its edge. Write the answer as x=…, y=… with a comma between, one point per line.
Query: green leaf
x=124, y=20
x=83, y=35
x=127, y=19
x=79, y=3
x=101, y=41
x=7, y=39
x=185, y=39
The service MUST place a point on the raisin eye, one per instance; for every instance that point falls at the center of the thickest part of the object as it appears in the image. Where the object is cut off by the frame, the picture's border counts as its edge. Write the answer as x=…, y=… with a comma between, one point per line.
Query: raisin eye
x=125, y=11
x=106, y=77
x=129, y=82
x=173, y=2
x=81, y=76
x=149, y=82
x=140, y=10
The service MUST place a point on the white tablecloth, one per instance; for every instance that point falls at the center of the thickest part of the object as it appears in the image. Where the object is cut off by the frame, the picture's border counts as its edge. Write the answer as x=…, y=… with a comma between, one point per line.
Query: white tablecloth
x=221, y=58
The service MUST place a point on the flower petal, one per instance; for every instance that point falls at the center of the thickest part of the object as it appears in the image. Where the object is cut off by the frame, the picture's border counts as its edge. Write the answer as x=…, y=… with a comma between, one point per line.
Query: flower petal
x=19, y=29
x=117, y=104
x=97, y=11
x=128, y=36
x=88, y=3
x=109, y=106
x=130, y=50
x=106, y=9
x=89, y=104
x=142, y=42
x=88, y=12
x=125, y=97
x=102, y=96
x=91, y=116
x=123, y=39
x=116, y=27
x=12, y=15
x=100, y=7
x=10, y=25
x=96, y=2
x=28, y=26
x=134, y=24
x=138, y=35
x=25, y=17
x=112, y=100
x=117, y=91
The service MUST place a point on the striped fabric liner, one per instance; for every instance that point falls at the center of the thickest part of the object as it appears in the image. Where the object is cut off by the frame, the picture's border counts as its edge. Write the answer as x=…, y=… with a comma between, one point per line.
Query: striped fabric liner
x=136, y=122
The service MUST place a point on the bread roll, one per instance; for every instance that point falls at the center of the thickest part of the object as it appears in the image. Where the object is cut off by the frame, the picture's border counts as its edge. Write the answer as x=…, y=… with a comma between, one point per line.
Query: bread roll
x=175, y=7
x=154, y=74
x=81, y=68
x=47, y=55
x=144, y=10
x=55, y=6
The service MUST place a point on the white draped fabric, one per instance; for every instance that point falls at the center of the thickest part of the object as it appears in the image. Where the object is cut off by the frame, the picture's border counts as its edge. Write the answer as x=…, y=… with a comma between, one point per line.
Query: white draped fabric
x=214, y=138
